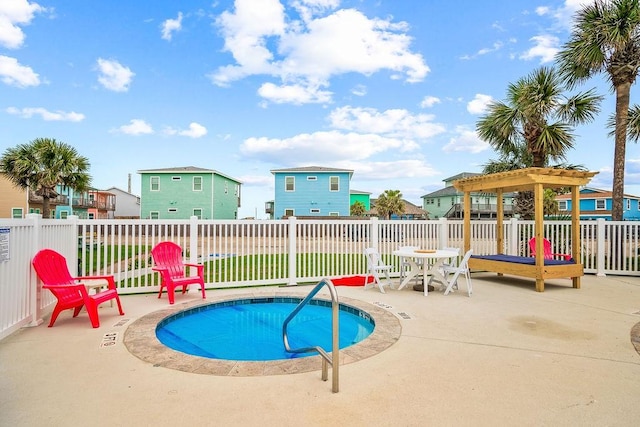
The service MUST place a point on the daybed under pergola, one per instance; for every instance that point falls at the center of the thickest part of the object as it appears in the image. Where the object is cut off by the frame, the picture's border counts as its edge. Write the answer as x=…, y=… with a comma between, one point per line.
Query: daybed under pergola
x=536, y=180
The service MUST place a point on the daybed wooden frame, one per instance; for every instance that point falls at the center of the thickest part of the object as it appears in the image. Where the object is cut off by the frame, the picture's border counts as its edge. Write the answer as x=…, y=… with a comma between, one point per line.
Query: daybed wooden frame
x=536, y=180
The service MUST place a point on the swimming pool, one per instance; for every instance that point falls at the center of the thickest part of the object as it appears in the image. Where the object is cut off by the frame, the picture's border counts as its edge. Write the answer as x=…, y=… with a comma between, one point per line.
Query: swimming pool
x=250, y=329
x=141, y=341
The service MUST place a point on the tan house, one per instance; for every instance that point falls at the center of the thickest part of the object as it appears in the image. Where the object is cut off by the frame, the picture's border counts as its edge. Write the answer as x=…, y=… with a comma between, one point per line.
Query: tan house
x=14, y=201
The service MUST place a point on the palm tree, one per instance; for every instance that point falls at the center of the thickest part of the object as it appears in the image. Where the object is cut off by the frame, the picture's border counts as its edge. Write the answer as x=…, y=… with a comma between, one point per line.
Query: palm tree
x=42, y=165
x=389, y=203
x=606, y=38
x=534, y=125
x=537, y=115
x=357, y=208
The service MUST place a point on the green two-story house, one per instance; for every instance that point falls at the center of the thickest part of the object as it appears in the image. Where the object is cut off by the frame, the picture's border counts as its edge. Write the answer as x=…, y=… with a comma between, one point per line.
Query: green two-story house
x=182, y=192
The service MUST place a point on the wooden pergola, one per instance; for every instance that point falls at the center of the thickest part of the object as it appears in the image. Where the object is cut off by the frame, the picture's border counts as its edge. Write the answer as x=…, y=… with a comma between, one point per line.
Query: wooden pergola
x=536, y=180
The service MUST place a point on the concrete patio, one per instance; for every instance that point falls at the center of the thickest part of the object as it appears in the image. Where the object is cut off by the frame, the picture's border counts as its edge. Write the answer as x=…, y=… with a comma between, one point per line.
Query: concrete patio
x=505, y=356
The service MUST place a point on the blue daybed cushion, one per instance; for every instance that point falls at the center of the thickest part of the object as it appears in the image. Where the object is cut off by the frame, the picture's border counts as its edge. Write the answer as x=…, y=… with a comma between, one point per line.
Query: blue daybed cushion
x=522, y=259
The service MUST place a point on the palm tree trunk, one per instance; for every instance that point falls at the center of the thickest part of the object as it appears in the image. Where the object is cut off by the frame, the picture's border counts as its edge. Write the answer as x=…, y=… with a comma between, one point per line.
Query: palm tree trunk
x=622, y=110
x=45, y=207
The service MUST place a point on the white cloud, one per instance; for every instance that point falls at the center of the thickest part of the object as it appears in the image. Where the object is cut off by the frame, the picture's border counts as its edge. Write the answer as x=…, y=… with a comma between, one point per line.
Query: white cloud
x=13, y=14
x=321, y=147
x=400, y=169
x=545, y=47
x=265, y=41
x=393, y=123
x=136, y=127
x=429, y=101
x=479, y=103
x=359, y=90
x=171, y=26
x=46, y=115
x=14, y=74
x=465, y=140
x=114, y=76
x=294, y=94
x=195, y=130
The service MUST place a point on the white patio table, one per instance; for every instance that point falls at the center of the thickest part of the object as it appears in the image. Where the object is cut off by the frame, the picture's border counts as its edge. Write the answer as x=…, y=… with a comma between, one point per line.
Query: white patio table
x=427, y=269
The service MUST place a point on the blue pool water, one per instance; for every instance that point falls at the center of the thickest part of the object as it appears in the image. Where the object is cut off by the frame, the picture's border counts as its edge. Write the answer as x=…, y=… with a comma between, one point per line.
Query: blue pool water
x=251, y=329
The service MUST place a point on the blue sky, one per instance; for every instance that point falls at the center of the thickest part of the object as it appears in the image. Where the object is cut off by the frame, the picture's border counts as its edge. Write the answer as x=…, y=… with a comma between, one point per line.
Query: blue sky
x=390, y=89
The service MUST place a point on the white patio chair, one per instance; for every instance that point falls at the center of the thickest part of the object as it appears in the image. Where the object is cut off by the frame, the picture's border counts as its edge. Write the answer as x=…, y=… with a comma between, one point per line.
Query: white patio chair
x=454, y=261
x=462, y=268
x=375, y=266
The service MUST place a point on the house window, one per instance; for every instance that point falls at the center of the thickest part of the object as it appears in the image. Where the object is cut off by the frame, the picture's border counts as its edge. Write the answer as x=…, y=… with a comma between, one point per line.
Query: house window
x=34, y=210
x=453, y=201
x=172, y=210
x=312, y=178
x=628, y=204
x=226, y=187
x=64, y=214
x=155, y=183
x=197, y=212
x=314, y=211
x=438, y=202
x=289, y=212
x=237, y=190
x=154, y=214
x=600, y=204
x=334, y=183
x=16, y=213
x=562, y=205
x=176, y=178
x=197, y=183
x=334, y=213
x=290, y=183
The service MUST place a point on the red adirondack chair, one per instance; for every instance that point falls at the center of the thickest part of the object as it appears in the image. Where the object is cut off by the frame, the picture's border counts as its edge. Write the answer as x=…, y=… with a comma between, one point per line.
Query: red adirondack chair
x=548, y=253
x=167, y=257
x=52, y=270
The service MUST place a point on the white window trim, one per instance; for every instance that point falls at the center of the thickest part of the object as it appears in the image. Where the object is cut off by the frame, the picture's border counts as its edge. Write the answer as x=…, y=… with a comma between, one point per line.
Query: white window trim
x=604, y=202
x=293, y=178
x=151, y=178
x=293, y=212
x=176, y=178
x=152, y=213
x=562, y=205
x=193, y=183
x=312, y=178
x=15, y=210
x=628, y=204
x=330, y=184
x=172, y=210
x=314, y=210
x=334, y=213
x=195, y=214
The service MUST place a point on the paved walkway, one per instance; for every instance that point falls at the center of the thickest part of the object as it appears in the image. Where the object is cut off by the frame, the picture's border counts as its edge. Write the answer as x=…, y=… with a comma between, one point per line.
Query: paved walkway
x=505, y=356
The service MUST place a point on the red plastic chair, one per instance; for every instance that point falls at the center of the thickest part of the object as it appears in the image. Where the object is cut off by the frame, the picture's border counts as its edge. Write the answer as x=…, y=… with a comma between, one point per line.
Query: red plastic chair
x=548, y=254
x=52, y=270
x=167, y=257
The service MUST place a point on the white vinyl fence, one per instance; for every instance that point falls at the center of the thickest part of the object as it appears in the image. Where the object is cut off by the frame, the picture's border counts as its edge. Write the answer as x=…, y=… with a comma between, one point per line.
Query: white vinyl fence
x=239, y=253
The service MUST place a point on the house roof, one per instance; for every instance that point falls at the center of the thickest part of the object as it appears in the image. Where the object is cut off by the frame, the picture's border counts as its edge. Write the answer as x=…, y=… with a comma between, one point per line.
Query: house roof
x=317, y=169
x=461, y=176
x=358, y=192
x=187, y=169
x=452, y=191
x=409, y=209
x=594, y=193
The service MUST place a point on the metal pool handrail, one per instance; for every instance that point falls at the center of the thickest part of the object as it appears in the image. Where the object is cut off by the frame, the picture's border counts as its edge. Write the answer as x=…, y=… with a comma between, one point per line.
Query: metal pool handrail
x=334, y=358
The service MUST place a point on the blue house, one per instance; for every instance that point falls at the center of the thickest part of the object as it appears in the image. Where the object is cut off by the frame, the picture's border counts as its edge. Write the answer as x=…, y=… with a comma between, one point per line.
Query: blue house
x=596, y=203
x=311, y=191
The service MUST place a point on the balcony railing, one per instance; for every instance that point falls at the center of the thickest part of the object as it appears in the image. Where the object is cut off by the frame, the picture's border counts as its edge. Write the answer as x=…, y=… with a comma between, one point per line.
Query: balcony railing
x=59, y=200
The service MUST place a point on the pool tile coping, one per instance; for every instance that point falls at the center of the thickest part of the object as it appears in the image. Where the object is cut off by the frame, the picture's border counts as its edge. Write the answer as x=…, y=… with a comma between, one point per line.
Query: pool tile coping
x=141, y=341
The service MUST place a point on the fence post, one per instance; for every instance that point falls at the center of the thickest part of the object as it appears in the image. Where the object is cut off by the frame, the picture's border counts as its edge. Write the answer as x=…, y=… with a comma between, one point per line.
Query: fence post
x=34, y=291
x=514, y=238
x=600, y=242
x=443, y=233
x=193, y=240
x=373, y=232
x=292, y=250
